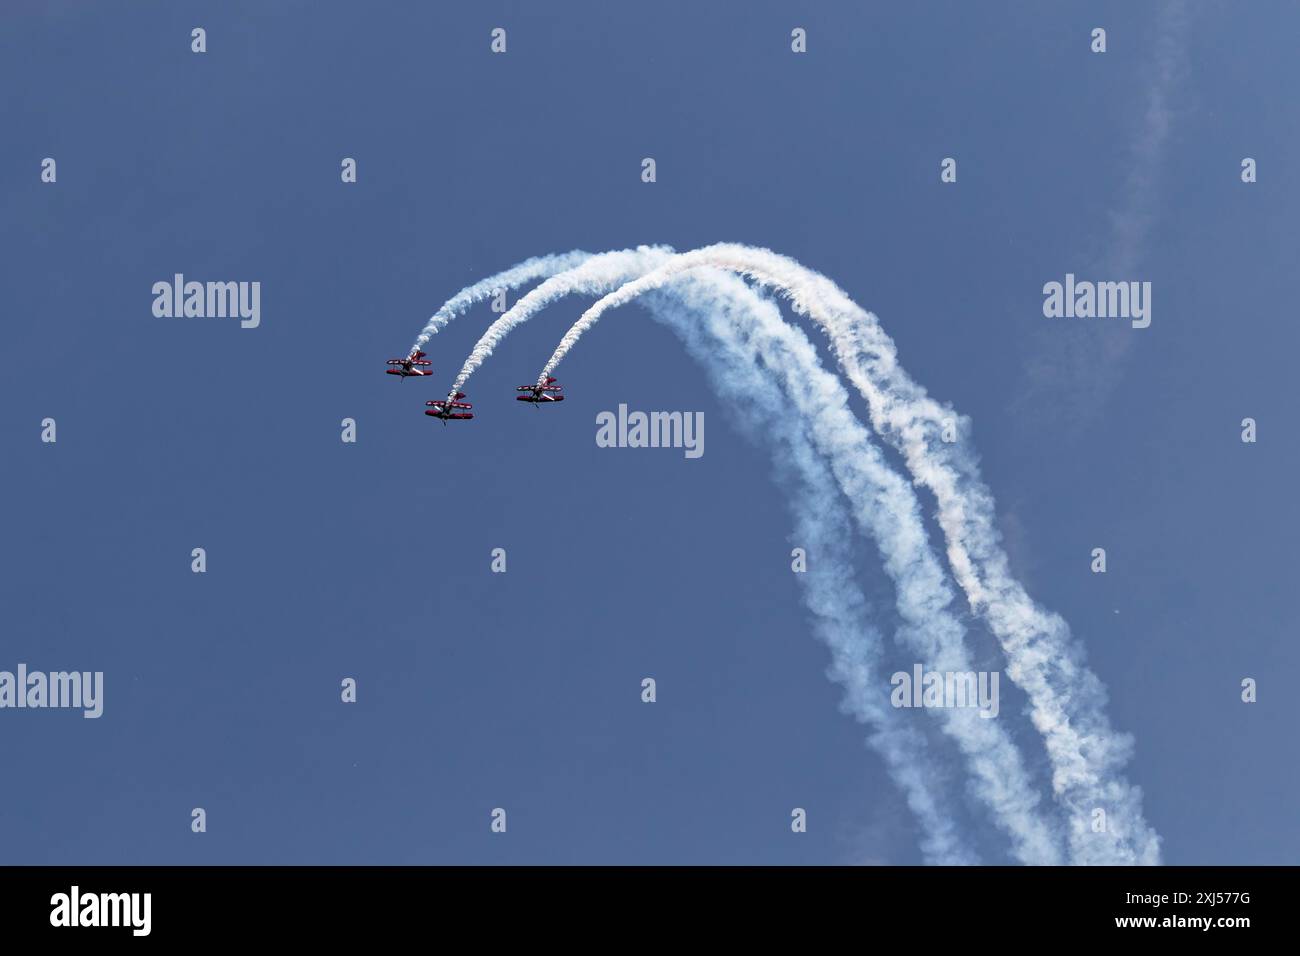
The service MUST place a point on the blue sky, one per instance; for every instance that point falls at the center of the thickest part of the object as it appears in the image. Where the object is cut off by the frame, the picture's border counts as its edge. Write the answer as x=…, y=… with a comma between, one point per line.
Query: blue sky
x=521, y=690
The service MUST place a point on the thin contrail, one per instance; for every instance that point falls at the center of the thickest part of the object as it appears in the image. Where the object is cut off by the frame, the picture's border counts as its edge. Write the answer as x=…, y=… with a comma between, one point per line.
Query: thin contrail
x=1067, y=701
x=1069, y=373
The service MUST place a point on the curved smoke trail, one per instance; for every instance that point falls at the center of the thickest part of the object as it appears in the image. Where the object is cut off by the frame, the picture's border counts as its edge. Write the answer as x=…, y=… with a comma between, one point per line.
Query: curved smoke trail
x=1067, y=701
x=592, y=275
x=887, y=510
x=931, y=630
x=530, y=270
x=835, y=600
x=841, y=614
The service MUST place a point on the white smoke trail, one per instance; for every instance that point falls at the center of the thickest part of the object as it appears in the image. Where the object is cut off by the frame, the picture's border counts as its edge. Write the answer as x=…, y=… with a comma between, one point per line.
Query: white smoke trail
x=1001, y=780
x=841, y=615
x=530, y=270
x=1067, y=701
x=835, y=600
x=886, y=508
x=592, y=275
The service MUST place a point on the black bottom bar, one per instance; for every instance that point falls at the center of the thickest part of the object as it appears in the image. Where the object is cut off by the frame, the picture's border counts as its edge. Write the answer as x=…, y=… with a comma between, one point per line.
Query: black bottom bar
x=215, y=904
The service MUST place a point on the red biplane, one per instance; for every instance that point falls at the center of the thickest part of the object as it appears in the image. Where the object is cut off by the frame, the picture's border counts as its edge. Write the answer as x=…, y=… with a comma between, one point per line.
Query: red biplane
x=537, y=394
x=412, y=365
x=443, y=408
